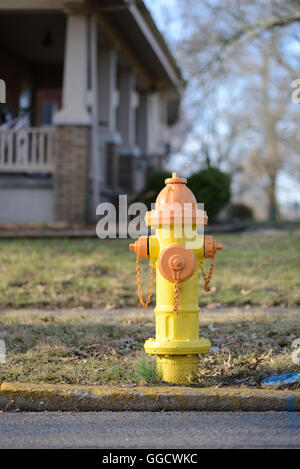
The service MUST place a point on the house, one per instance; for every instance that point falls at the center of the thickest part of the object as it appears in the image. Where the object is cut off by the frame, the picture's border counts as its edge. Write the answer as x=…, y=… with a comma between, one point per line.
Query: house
x=96, y=87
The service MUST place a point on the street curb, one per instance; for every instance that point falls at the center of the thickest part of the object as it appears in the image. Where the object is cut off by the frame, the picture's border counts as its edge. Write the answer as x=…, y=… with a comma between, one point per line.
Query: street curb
x=68, y=397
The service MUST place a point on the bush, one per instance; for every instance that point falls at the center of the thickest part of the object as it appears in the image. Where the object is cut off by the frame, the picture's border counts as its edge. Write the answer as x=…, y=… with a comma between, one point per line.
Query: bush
x=212, y=187
x=240, y=211
x=156, y=180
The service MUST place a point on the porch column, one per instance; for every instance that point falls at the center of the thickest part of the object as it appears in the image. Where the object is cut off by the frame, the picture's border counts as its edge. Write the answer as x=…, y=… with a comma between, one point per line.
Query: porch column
x=143, y=141
x=127, y=110
x=74, y=108
x=142, y=124
x=73, y=131
x=155, y=130
x=107, y=88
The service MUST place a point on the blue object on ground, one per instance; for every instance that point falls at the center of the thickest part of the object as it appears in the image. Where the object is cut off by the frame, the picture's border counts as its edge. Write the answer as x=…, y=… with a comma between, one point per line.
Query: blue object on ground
x=284, y=378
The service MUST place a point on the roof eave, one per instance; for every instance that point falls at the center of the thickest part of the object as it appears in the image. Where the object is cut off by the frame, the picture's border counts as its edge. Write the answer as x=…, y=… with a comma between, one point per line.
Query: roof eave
x=144, y=20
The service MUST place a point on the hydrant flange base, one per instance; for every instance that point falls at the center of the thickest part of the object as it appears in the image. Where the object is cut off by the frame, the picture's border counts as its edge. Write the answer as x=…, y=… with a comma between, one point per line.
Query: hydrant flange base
x=177, y=347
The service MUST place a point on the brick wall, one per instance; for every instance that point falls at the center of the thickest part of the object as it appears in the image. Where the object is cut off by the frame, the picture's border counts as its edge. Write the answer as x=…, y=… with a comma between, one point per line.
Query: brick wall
x=72, y=147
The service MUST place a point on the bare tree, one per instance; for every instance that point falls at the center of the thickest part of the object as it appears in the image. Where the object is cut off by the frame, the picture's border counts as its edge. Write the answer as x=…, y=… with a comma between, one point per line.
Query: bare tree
x=218, y=30
x=270, y=145
x=240, y=66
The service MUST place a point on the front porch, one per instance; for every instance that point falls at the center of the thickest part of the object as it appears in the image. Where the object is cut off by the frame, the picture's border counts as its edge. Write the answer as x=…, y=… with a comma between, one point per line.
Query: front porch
x=26, y=169
x=29, y=150
x=32, y=58
x=84, y=117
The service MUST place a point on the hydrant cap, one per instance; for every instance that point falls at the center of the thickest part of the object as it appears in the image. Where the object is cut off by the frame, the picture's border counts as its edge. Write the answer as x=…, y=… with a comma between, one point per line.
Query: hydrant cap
x=175, y=203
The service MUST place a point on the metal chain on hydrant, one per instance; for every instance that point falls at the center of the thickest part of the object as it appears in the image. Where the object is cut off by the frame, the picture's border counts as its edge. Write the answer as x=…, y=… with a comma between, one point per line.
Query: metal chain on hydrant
x=139, y=288
x=207, y=278
x=176, y=291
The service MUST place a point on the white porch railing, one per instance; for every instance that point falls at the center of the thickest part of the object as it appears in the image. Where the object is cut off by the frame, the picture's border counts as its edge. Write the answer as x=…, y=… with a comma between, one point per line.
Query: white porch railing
x=26, y=150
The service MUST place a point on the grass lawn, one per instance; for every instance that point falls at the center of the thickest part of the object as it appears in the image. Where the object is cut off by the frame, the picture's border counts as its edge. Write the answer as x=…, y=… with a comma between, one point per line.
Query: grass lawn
x=253, y=269
x=89, y=348
x=84, y=347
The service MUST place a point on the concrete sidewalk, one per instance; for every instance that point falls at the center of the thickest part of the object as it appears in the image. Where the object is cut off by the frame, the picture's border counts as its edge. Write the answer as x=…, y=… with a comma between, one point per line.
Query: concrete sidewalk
x=62, y=397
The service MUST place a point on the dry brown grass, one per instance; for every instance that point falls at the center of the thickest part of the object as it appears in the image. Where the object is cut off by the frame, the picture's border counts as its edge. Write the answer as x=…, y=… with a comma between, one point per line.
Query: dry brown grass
x=92, y=348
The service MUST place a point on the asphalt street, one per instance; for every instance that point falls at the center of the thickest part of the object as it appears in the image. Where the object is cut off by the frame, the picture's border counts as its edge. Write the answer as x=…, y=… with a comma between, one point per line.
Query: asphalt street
x=150, y=430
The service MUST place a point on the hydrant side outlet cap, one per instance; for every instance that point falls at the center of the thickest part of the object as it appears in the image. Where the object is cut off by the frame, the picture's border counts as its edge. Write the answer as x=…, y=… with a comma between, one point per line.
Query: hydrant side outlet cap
x=211, y=246
x=179, y=259
x=140, y=247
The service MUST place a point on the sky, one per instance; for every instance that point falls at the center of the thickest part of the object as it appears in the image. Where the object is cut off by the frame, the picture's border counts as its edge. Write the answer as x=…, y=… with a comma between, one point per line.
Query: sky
x=157, y=8
x=288, y=187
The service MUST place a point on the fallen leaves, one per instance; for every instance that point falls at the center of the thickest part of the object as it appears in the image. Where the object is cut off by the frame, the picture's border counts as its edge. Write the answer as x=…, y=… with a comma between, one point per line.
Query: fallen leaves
x=245, y=292
x=48, y=319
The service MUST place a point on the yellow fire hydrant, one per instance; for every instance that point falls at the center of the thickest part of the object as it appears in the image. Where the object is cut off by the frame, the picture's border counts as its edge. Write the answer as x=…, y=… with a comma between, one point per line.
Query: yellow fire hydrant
x=176, y=252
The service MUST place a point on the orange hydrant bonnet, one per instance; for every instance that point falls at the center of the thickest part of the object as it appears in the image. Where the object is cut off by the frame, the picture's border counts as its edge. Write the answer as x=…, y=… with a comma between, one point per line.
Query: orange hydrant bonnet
x=175, y=204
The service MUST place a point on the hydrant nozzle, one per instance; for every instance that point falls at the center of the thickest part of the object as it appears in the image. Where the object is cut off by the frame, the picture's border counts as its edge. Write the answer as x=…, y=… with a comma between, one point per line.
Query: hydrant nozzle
x=176, y=255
